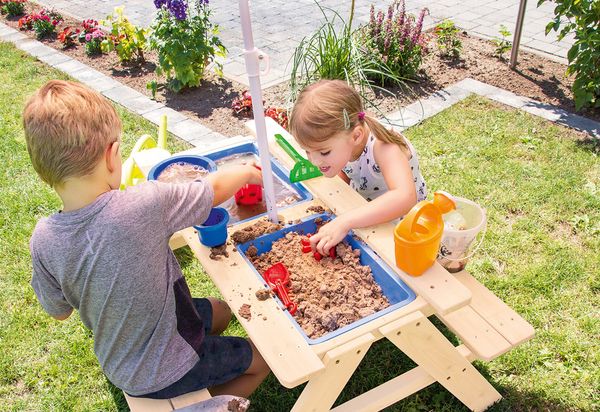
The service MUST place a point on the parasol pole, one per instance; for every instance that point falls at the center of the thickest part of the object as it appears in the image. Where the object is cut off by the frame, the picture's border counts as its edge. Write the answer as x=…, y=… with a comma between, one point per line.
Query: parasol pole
x=251, y=55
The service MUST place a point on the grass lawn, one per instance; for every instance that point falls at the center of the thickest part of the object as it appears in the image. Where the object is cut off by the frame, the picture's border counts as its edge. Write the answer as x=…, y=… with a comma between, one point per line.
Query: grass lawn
x=539, y=184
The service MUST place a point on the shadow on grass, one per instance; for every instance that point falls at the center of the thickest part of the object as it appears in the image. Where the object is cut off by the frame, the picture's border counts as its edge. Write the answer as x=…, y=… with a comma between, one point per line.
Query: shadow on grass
x=383, y=362
x=590, y=143
x=184, y=256
x=118, y=397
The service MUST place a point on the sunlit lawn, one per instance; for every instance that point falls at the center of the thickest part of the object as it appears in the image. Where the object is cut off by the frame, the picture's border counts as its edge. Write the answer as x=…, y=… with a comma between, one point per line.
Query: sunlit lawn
x=539, y=183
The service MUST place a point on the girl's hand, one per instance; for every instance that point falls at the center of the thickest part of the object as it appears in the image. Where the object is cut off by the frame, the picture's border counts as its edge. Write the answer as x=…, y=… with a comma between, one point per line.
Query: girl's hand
x=329, y=235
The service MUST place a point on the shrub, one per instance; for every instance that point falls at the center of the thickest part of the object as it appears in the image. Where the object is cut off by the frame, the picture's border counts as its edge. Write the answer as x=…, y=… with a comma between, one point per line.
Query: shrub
x=447, y=39
x=44, y=23
x=503, y=44
x=92, y=37
x=396, y=39
x=68, y=36
x=186, y=42
x=26, y=22
x=243, y=104
x=12, y=8
x=125, y=38
x=581, y=17
x=335, y=51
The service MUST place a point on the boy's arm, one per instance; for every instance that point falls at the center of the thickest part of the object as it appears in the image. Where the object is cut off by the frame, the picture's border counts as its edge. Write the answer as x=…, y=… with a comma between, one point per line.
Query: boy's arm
x=187, y=204
x=48, y=290
x=228, y=181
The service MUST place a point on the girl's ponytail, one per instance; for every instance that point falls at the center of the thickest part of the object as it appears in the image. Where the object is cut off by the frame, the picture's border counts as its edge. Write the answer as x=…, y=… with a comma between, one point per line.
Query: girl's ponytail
x=385, y=135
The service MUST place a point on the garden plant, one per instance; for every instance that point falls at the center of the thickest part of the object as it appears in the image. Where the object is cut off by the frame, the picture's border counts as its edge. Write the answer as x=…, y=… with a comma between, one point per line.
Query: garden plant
x=186, y=42
x=396, y=40
x=503, y=44
x=12, y=8
x=336, y=51
x=447, y=39
x=582, y=18
x=127, y=39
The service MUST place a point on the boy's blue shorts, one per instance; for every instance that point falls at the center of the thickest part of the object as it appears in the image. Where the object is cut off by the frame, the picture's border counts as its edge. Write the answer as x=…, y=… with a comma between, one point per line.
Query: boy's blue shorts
x=222, y=359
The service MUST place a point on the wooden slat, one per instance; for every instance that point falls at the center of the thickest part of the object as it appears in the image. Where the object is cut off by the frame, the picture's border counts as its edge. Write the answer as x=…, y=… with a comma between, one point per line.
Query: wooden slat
x=191, y=398
x=148, y=405
x=505, y=320
x=340, y=363
x=419, y=304
x=395, y=389
x=438, y=287
x=283, y=347
x=420, y=340
x=476, y=333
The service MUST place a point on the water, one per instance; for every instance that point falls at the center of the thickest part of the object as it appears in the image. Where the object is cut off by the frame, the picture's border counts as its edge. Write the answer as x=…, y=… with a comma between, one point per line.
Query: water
x=284, y=194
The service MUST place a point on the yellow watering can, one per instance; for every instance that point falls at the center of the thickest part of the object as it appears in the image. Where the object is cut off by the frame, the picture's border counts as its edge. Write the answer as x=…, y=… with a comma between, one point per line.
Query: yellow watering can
x=417, y=237
x=145, y=154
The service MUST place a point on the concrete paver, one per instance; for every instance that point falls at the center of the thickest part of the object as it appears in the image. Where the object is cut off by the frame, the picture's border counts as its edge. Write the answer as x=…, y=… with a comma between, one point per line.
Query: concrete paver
x=280, y=25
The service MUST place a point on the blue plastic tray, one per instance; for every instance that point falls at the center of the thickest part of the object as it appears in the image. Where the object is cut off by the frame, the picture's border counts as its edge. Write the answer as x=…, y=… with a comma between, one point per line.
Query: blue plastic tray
x=278, y=170
x=394, y=289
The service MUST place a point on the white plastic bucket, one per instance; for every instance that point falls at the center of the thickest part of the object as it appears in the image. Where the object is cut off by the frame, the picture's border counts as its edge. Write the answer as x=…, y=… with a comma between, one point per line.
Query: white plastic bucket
x=456, y=245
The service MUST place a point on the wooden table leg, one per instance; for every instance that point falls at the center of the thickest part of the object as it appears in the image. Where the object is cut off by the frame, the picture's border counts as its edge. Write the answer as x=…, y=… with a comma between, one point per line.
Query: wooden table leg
x=340, y=363
x=419, y=339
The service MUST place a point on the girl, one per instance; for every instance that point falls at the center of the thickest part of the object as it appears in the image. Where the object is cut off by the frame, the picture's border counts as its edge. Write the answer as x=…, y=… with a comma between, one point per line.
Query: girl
x=329, y=123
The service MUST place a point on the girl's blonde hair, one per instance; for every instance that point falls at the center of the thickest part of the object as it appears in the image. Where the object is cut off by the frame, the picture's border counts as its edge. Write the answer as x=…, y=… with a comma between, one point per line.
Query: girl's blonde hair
x=328, y=107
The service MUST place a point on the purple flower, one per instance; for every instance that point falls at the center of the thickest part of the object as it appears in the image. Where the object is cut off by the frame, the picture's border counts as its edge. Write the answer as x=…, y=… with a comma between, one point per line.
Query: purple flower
x=178, y=8
x=159, y=3
x=88, y=37
x=419, y=27
x=402, y=14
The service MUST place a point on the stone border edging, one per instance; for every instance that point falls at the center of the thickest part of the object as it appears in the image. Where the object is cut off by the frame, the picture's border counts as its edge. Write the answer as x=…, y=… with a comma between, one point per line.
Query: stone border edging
x=180, y=125
x=416, y=112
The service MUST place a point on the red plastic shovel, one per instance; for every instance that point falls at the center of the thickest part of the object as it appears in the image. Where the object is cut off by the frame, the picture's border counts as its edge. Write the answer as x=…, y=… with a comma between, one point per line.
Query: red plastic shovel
x=278, y=278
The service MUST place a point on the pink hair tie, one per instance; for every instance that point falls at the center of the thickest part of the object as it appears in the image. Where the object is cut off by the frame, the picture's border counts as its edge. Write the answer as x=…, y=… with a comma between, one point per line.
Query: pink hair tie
x=361, y=116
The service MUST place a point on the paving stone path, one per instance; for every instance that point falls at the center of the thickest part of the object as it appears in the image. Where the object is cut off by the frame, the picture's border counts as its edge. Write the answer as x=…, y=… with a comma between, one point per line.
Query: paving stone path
x=279, y=25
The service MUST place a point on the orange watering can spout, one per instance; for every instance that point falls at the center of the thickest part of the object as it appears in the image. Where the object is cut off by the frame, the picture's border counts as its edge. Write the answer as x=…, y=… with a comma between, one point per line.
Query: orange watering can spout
x=417, y=237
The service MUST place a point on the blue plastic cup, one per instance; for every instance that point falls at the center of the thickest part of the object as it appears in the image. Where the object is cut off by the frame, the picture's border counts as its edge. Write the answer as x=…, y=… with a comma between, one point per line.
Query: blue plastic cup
x=213, y=232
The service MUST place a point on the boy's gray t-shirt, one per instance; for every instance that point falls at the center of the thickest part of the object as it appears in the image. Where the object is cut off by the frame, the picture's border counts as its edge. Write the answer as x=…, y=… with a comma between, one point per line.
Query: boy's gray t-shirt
x=111, y=261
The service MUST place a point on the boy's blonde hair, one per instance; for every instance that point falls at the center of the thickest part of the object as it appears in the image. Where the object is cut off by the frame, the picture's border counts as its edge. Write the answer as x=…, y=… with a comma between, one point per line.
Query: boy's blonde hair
x=328, y=107
x=68, y=128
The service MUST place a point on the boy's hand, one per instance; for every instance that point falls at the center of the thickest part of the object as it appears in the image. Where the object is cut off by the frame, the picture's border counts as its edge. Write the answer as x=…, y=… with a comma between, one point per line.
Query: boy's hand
x=254, y=174
x=329, y=235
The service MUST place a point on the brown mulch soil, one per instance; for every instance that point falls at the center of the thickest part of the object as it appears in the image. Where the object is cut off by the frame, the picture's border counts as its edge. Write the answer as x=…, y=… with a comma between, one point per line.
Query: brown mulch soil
x=536, y=77
x=330, y=293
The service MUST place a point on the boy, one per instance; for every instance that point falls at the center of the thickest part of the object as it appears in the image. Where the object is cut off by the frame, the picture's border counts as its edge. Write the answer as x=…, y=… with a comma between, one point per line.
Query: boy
x=107, y=255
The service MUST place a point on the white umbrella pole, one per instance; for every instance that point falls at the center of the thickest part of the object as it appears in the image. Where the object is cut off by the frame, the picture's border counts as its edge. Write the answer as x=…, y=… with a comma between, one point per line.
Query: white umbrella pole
x=251, y=55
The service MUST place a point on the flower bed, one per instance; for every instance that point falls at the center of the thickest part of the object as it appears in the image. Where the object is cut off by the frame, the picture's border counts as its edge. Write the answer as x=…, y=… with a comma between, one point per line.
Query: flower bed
x=210, y=103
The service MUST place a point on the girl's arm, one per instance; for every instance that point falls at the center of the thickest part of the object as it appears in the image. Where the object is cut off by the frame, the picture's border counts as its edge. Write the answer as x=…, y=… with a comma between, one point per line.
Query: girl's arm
x=396, y=202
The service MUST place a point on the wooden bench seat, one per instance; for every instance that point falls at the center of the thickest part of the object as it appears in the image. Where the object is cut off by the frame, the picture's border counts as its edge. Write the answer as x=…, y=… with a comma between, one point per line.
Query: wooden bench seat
x=166, y=405
x=487, y=326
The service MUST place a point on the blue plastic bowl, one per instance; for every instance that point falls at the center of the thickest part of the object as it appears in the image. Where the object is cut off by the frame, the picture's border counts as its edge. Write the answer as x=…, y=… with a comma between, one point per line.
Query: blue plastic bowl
x=196, y=160
x=213, y=232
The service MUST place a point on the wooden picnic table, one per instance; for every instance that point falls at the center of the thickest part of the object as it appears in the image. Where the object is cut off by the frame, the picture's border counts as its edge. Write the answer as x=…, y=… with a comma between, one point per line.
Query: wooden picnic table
x=486, y=326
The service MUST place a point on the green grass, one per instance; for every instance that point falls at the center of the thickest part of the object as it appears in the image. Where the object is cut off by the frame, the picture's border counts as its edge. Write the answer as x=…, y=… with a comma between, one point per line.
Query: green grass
x=541, y=189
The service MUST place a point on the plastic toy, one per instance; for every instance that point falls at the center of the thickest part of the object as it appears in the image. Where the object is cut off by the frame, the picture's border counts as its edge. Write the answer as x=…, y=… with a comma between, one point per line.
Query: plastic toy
x=303, y=169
